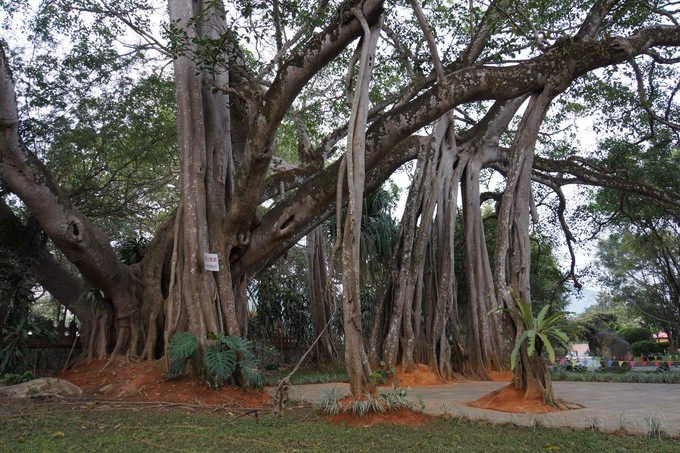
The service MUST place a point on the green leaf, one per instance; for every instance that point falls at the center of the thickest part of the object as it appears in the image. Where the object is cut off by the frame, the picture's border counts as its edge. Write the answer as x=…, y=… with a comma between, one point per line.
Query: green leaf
x=561, y=337
x=220, y=363
x=248, y=366
x=182, y=345
x=175, y=368
x=548, y=347
x=541, y=316
x=515, y=351
x=531, y=334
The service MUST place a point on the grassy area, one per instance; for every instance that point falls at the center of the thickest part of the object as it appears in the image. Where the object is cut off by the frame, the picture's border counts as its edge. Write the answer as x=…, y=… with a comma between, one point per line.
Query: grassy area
x=630, y=376
x=145, y=430
x=307, y=376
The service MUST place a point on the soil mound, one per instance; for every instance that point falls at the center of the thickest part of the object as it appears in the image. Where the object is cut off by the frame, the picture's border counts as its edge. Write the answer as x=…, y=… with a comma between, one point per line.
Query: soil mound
x=143, y=381
x=509, y=399
x=401, y=417
x=421, y=376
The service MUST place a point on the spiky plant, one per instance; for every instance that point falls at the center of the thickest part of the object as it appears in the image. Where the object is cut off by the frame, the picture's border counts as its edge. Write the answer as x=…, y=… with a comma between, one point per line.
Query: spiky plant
x=539, y=331
x=329, y=402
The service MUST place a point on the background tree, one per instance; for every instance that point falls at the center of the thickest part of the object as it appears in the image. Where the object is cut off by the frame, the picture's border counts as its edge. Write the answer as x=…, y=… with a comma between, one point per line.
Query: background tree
x=643, y=275
x=280, y=299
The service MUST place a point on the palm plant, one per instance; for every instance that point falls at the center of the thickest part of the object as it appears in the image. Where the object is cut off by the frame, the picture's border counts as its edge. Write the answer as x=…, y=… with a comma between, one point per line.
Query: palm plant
x=539, y=331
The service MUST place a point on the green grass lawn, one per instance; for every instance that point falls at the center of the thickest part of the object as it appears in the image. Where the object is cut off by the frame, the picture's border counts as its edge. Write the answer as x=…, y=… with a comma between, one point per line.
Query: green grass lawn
x=307, y=376
x=102, y=429
x=668, y=377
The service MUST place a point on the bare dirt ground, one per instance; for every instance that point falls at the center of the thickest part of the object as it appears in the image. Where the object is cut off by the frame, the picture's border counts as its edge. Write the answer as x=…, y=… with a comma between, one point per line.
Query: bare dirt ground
x=144, y=382
x=128, y=384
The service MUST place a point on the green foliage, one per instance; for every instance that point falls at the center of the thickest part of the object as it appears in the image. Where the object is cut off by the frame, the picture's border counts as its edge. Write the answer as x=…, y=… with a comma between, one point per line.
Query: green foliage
x=103, y=120
x=281, y=298
x=329, y=403
x=635, y=334
x=220, y=363
x=131, y=250
x=15, y=378
x=363, y=407
x=309, y=377
x=608, y=376
x=224, y=356
x=16, y=283
x=14, y=346
x=643, y=271
x=246, y=361
x=591, y=323
x=176, y=429
x=181, y=347
x=548, y=284
x=539, y=331
x=646, y=347
x=570, y=366
x=398, y=398
x=381, y=375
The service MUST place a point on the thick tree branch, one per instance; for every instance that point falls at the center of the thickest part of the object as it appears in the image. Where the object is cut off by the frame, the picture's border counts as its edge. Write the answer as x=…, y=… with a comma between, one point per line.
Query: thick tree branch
x=559, y=66
x=287, y=84
x=83, y=243
x=589, y=175
x=593, y=23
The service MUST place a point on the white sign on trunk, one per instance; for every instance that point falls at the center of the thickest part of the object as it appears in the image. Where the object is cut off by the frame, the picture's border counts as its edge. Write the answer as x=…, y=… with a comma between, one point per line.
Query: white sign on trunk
x=212, y=263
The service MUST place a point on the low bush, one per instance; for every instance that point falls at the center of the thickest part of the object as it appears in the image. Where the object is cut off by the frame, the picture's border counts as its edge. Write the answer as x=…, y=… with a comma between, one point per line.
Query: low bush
x=635, y=334
x=646, y=347
x=570, y=366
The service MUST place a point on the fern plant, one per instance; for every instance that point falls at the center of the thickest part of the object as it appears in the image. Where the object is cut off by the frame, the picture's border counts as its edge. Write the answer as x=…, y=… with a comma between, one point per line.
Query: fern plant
x=225, y=355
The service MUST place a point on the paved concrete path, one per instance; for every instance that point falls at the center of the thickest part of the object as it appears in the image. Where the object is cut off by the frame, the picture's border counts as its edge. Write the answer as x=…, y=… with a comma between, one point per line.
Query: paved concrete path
x=636, y=408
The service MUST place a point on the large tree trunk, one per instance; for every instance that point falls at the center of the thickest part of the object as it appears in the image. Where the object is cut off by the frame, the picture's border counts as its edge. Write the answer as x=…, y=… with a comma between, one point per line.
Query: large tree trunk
x=434, y=189
x=408, y=260
x=222, y=187
x=325, y=352
x=202, y=300
x=483, y=330
x=356, y=359
x=513, y=248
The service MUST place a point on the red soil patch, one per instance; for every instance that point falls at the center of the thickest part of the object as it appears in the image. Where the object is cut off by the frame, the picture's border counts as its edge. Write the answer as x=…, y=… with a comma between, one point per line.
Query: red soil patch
x=143, y=381
x=401, y=417
x=509, y=399
x=421, y=376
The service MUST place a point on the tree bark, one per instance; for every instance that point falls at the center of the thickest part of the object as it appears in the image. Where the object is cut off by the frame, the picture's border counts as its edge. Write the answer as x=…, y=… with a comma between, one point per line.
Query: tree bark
x=325, y=352
x=513, y=248
x=204, y=298
x=356, y=360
